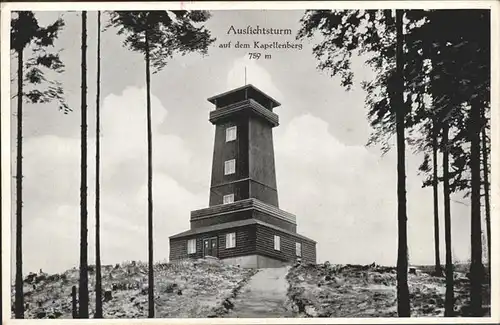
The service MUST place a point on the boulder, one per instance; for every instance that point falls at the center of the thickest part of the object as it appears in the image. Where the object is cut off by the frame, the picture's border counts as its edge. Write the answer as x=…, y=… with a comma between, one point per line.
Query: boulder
x=212, y=260
x=428, y=309
x=30, y=277
x=311, y=311
x=228, y=304
x=40, y=278
x=170, y=287
x=40, y=314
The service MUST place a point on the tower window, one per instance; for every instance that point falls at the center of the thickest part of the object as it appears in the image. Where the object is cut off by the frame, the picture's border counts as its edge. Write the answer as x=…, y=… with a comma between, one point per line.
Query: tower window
x=277, y=243
x=231, y=133
x=229, y=167
x=231, y=240
x=191, y=246
x=298, y=249
x=228, y=198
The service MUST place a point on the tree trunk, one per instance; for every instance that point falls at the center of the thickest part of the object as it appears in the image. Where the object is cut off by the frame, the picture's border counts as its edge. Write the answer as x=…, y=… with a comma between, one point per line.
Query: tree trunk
x=402, y=263
x=435, y=181
x=19, y=303
x=486, y=190
x=83, y=298
x=449, y=300
x=74, y=305
x=151, y=313
x=476, y=267
x=98, y=279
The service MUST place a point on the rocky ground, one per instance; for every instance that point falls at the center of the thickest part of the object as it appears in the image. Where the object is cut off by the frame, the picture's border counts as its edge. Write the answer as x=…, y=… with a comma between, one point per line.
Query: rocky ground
x=209, y=288
x=370, y=291
x=188, y=289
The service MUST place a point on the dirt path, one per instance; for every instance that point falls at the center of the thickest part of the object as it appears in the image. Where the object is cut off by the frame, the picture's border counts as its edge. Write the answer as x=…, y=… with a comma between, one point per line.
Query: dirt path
x=265, y=295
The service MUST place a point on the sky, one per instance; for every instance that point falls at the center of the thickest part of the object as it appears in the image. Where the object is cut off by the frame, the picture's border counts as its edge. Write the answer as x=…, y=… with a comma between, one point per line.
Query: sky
x=343, y=193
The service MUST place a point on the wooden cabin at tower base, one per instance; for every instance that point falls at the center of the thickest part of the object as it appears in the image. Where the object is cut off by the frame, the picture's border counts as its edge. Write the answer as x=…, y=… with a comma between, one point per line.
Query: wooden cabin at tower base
x=247, y=243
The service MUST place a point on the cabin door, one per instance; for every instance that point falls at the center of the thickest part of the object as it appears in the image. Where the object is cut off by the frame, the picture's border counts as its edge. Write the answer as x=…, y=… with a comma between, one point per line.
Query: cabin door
x=210, y=247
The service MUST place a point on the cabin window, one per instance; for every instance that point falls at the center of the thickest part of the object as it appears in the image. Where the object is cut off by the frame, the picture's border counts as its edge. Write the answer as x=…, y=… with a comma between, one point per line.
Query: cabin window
x=191, y=246
x=277, y=243
x=231, y=133
x=231, y=240
x=298, y=249
x=229, y=167
x=228, y=198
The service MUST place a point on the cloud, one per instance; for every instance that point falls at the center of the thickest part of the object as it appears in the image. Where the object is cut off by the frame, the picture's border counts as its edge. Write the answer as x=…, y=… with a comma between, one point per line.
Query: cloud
x=255, y=74
x=345, y=198
x=52, y=211
x=336, y=203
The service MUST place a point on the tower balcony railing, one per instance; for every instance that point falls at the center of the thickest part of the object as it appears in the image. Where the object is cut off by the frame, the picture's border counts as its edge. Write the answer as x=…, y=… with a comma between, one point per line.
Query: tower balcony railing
x=248, y=105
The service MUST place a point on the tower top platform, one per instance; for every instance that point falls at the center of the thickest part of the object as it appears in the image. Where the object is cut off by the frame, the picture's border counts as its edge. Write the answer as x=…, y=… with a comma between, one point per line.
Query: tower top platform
x=244, y=93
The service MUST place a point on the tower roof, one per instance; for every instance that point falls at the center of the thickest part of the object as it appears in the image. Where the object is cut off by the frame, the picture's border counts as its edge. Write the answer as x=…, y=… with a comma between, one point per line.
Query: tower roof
x=243, y=93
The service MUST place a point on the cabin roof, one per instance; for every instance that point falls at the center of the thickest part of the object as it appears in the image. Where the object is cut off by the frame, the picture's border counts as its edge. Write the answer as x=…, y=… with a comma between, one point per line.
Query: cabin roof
x=238, y=94
x=234, y=224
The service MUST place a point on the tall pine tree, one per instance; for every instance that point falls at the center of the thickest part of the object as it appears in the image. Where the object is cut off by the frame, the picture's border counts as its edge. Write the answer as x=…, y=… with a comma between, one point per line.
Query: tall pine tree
x=83, y=293
x=379, y=34
x=27, y=35
x=158, y=35
x=98, y=277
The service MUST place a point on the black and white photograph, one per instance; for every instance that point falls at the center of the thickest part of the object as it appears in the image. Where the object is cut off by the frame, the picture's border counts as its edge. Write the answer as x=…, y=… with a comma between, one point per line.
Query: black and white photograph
x=205, y=160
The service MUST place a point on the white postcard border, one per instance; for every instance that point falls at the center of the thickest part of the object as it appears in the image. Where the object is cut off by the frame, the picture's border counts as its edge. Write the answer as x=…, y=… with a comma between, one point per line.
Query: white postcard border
x=6, y=9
